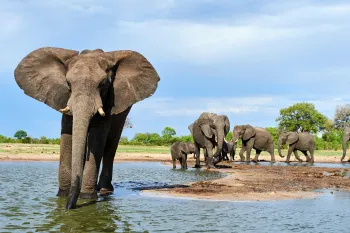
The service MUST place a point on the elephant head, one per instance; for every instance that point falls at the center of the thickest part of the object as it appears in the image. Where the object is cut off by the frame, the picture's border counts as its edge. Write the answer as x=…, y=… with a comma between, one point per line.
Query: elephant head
x=244, y=132
x=286, y=138
x=188, y=148
x=82, y=84
x=346, y=138
x=215, y=125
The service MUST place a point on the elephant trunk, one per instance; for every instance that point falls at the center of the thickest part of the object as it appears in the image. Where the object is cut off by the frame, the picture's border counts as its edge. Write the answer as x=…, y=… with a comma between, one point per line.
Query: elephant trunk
x=83, y=112
x=345, y=141
x=279, y=148
x=220, y=142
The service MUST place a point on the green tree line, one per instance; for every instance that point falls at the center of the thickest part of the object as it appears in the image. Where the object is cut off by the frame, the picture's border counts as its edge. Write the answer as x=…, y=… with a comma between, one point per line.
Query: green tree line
x=299, y=117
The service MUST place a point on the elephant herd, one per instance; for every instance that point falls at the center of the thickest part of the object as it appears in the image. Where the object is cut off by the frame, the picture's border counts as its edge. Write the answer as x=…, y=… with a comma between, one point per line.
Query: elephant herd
x=95, y=91
x=209, y=132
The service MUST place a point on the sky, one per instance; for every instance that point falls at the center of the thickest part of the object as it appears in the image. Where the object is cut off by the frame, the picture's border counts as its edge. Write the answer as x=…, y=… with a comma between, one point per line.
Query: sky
x=246, y=59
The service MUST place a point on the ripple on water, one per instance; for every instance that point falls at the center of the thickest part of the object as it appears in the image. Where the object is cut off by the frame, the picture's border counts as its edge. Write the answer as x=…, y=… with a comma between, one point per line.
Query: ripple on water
x=31, y=205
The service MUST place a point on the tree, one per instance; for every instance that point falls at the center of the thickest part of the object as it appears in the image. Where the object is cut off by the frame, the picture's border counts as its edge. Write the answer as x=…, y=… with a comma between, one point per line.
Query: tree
x=20, y=134
x=127, y=124
x=274, y=133
x=301, y=117
x=168, y=132
x=342, y=117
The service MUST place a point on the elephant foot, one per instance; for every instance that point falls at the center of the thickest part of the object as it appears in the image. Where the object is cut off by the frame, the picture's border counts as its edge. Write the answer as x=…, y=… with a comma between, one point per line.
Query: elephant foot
x=62, y=193
x=197, y=166
x=105, y=192
x=88, y=195
x=300, y=161
x=287, y=161
x=255, y=161
x=349, y=160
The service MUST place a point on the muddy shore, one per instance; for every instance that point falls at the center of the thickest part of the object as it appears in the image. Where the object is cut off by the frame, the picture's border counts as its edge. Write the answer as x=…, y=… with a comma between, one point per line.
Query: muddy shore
x=243, y=182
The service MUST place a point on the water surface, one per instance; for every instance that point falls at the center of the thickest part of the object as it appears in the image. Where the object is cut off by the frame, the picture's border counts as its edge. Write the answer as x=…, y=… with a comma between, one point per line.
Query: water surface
x=28, y=204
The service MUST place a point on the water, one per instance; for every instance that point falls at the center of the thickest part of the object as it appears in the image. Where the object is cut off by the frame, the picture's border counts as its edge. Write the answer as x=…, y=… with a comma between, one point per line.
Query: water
x=28, y=204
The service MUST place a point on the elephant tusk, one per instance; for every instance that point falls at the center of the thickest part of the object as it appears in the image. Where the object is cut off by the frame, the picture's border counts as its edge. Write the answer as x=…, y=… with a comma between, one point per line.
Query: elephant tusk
x=101, y=112
x=236, y=140
x=65, y=110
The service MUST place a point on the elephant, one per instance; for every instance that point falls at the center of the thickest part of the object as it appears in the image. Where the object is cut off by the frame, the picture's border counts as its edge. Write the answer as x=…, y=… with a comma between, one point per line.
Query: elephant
x=94, y=90
x=346, y=138
x=208, y=132
x=253, y=138
x=228, y=147
x=303, y=142
x=180, y=150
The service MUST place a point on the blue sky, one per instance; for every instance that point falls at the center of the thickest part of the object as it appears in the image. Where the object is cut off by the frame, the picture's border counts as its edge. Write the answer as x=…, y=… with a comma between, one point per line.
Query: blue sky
x=243, y=58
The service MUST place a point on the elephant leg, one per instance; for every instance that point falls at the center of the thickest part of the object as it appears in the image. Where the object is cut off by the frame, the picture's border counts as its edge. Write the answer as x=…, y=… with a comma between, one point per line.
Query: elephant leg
x=209, y=162
x=198, y=161
x=297, y=156
x=184, y=161
x=271, y=151
x=249, y=148
x=65, y=167
x=312, y=156
x=117, y=123
x=290, y=150
x=232, y=156
x=205, y=151
x=96, y=144
x=181, y=162
x=308, y=158
x=174, y=162
x=256, y=158
x=241, y=153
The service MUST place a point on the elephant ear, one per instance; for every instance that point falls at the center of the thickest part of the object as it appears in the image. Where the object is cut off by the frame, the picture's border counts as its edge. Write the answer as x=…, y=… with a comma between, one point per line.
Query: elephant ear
x=292, y=138
x=42, y=76
x=135, y=79
x=227, y=125
x=184, y=148
x=249, y=132
x=190, y=127
x=204, y=124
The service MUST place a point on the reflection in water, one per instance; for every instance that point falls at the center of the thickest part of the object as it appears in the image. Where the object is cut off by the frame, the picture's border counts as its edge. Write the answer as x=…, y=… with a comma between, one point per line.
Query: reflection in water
x=28, y=204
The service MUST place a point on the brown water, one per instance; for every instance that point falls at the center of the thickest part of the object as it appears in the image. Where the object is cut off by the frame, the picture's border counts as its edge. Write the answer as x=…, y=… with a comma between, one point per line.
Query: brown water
x=28, y=204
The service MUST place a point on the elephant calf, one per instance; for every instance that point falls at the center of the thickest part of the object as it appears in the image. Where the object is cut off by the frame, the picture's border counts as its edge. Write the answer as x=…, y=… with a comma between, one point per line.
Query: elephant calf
x=303, y=142
x=228, y=147
x=180, y=150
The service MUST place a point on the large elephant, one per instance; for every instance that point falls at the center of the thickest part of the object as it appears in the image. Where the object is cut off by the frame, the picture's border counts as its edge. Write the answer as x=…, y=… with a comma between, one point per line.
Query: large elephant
x=346, y=138
x=80, y=85
x=208, y=132
x=303, y=142
x=253, y=138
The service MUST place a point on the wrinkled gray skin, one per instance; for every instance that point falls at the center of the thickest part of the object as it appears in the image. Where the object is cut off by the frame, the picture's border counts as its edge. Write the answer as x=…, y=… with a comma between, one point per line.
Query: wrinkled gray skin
x=180, y=150
x=346, y=138
x=228, y=148
x=208, y=132
x=95, y=90
x=303, y=142
x=253, y=138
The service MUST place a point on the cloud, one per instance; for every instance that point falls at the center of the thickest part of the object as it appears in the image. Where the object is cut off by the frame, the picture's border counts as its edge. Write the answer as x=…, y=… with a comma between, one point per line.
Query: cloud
x=258, y=37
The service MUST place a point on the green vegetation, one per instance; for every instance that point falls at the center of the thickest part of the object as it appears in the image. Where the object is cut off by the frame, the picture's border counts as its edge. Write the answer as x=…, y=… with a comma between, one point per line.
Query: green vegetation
x=301, y=117
x=298, y=117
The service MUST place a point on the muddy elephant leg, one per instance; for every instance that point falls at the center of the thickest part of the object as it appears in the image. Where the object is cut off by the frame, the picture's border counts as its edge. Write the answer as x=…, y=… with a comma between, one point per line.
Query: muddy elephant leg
x=117, y=123
x=306, y=156
x=256, y=158
x=249, y=148
x=297, y=156
x=65, y=167
x=290, y=150
x=96, y=144
x=241, y=153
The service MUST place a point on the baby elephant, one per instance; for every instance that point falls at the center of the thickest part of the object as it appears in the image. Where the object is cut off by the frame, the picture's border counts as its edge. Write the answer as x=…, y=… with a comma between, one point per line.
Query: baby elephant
x=180, y=150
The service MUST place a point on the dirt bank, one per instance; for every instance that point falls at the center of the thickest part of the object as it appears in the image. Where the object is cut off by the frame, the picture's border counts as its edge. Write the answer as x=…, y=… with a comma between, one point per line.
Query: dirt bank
x=256, y=182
